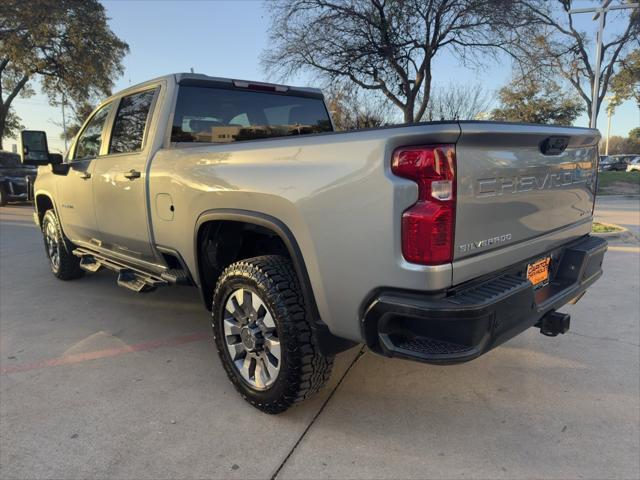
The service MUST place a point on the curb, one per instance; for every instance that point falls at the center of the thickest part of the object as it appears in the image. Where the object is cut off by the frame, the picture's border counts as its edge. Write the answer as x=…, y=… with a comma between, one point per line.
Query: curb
x=618, y=196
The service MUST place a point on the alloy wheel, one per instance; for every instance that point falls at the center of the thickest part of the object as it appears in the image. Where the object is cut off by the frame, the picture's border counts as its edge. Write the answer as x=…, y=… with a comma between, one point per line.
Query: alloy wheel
x=251, y=339
x=53, y=247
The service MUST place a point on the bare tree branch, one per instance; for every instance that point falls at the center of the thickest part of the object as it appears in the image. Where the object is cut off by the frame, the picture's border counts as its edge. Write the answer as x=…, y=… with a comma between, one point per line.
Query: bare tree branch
x=561, y=49
x=386, y=46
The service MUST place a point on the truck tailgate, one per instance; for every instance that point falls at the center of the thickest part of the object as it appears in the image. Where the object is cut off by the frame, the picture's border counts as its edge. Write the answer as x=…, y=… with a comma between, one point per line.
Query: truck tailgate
x=516, y=183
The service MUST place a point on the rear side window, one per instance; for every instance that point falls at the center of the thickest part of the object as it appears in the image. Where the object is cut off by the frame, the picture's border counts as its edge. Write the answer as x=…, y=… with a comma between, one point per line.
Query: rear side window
x=216, y=115
x=130, y=122
x=90, y=140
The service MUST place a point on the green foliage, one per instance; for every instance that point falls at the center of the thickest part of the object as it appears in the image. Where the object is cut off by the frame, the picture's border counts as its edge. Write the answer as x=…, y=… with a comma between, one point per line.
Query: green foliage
x=67, y=44
x=598, y=227
x=12, y=125
x=618, y=183
x=626, y=83
x=622, y=145
x=536, y=101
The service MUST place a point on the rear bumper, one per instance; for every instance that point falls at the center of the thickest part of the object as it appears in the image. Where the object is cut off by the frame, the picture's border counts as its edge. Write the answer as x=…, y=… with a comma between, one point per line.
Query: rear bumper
x=462, y=324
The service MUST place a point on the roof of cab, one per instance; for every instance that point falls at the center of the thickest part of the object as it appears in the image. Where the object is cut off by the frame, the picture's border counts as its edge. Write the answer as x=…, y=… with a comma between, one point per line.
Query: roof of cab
x=199, y=77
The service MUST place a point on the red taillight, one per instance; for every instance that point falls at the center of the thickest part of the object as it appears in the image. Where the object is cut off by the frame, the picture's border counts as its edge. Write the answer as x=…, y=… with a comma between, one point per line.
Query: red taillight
x=428, y=225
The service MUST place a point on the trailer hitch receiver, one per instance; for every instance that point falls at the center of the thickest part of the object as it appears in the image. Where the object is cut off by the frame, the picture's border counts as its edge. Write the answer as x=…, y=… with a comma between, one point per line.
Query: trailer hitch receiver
x=554, y=323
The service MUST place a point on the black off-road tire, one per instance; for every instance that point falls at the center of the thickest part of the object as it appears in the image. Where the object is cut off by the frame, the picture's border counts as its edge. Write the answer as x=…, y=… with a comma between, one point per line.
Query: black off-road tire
x=303, y=369
x=68, y=265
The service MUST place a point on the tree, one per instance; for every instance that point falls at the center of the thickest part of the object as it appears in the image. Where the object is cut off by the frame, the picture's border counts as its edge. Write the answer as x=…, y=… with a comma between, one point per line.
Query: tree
x=12, y=126
x=623, y=145
x=536, y=101
x=626, y=83
x=66, y=44
x=386, y=46
x=80, y=113
x=457, y=102
x=350, y=110
x=553, y=45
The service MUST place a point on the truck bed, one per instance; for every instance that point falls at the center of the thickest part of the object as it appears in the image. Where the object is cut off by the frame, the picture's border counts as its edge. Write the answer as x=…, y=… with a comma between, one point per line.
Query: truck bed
x=337, y=195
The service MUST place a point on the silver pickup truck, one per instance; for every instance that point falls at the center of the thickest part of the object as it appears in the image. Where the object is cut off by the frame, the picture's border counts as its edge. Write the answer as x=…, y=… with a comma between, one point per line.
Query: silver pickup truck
x=432, y=242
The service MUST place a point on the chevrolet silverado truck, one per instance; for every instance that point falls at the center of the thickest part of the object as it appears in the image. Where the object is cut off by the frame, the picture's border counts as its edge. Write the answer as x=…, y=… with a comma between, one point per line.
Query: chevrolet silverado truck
x=432, y=242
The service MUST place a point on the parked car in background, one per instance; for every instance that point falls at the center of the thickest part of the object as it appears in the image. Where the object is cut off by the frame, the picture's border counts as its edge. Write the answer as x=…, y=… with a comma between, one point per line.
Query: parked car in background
x=15, y=178
x=634, y=165
x=612, y=163
x=625, y=157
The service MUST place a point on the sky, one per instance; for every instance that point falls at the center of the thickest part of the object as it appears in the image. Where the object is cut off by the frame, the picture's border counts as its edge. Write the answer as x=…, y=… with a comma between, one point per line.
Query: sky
x=225, y=38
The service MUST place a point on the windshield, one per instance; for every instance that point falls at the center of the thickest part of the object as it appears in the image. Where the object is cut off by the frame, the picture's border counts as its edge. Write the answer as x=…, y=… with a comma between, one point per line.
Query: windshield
x=215, y=115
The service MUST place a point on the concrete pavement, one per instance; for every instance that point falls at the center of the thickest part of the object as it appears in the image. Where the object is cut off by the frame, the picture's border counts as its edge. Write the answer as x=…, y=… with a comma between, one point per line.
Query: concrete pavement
x=144, y=396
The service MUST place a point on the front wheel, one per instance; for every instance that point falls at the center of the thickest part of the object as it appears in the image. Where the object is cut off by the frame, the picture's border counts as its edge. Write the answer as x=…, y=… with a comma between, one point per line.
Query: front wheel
x=263, y=336
x=64, y=264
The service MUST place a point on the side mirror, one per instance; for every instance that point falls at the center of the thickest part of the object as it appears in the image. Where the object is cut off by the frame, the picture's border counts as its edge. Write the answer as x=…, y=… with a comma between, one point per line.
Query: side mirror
x=55, y=159
x=58, y=167
x=34, y=149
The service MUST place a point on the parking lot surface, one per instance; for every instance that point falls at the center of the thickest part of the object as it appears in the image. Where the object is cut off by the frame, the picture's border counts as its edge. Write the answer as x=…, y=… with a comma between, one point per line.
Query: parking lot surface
x=96, y=382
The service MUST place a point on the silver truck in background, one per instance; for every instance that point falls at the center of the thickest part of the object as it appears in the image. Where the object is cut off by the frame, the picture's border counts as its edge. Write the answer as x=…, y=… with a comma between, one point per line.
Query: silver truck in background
x=433, y=242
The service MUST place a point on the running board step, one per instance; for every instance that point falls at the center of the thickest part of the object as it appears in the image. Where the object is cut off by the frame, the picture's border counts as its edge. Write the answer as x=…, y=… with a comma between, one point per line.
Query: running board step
x=138, y=283
x=89, y=264
x=176, y=276
x=128, y=277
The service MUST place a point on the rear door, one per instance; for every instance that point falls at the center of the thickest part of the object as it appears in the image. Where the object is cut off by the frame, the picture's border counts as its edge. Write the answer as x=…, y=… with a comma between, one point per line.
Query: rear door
x=120, y=179
x=516, y=182
x=75, y=189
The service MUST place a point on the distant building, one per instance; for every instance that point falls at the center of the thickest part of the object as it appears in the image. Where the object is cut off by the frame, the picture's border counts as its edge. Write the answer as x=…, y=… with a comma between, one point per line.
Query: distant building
x=218, y=134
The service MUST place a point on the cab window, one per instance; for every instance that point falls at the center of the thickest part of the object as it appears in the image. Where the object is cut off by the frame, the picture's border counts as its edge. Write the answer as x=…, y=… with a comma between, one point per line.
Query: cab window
x=90, y=140
x=130, y=123
x=221, y=115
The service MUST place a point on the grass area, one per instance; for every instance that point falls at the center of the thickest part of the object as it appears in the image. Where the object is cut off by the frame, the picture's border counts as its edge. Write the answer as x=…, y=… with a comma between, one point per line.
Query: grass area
x=602, y=228
x=618, y=183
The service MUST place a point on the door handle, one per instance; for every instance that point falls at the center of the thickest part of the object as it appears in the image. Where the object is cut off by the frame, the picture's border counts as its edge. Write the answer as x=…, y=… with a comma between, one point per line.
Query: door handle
x=85, y=176
x=132, y=174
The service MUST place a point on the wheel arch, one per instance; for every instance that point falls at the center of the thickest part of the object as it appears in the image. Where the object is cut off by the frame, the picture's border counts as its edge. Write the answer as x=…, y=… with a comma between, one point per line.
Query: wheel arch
x=42, y=202
x=329, y=343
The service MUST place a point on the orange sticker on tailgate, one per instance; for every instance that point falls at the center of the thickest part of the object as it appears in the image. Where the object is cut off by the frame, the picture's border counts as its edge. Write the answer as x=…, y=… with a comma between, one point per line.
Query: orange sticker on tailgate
x=538, y=272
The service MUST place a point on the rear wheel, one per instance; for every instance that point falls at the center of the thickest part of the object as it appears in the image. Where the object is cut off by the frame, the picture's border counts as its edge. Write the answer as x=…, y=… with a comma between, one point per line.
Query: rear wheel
x=263, y=337
x=64, y=264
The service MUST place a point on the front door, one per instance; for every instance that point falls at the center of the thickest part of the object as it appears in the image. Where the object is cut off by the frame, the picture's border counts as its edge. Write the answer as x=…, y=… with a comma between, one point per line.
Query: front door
x=75, y=189
x=120, y=180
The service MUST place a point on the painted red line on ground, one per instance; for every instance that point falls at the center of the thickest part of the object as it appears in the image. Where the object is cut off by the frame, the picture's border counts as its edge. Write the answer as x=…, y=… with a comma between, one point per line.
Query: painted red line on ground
x=110, y=352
